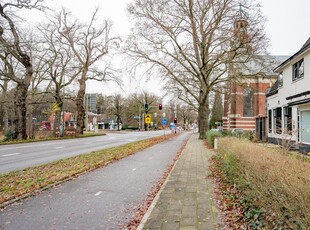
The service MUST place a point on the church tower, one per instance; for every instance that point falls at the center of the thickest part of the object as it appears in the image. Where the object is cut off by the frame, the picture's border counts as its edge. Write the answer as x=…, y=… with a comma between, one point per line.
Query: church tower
x=244, y=100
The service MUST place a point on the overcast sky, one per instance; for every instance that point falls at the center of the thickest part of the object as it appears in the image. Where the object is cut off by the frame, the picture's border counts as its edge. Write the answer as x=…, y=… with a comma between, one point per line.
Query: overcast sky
x=288, y=21
x=287, y=26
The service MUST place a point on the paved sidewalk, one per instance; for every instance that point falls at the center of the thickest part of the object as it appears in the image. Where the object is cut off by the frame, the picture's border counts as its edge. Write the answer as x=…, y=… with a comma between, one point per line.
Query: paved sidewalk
x=185, y=201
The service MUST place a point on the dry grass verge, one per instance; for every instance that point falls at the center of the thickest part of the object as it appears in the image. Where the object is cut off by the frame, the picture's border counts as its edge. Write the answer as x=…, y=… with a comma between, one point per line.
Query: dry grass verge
x=275, y=185
x=31, y=180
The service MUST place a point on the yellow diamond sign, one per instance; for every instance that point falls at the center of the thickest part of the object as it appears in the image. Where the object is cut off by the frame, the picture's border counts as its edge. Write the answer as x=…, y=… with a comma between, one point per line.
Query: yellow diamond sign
x=147, y=119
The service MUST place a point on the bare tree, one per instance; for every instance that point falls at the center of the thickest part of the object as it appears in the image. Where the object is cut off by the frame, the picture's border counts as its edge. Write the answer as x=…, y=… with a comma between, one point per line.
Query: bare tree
x=187, y=114
x=146, y=98
x=89, y=44
x=62, y=69
x=117, y=107
x=12, y=45
x=190, y=43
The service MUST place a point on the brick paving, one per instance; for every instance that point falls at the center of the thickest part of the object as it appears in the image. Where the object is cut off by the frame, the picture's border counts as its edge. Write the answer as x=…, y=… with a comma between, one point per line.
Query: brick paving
x=185, y=201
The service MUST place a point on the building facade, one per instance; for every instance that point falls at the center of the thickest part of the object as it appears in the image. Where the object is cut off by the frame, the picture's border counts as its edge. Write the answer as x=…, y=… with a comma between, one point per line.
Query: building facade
x=288, y=101
x=245, y=100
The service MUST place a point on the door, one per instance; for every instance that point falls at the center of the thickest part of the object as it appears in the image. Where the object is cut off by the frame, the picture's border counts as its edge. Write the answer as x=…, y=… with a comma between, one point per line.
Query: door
x=305, y=127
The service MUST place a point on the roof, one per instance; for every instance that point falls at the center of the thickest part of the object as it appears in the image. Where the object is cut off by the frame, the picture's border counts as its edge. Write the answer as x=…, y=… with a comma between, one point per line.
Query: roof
x=303, y=49
x=272, y=90
x=67, y=117
x=263, y=64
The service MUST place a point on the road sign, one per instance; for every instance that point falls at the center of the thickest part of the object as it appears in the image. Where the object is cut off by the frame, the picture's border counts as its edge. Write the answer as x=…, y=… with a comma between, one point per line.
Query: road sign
x=163, y=121
x=147, y=119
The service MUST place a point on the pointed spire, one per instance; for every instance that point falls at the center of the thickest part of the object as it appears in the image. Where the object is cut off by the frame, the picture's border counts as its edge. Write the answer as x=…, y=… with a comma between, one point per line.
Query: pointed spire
x=241, y=14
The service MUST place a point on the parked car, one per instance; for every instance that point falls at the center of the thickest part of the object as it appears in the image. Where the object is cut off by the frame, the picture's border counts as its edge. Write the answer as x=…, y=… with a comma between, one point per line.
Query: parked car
x=236, y=131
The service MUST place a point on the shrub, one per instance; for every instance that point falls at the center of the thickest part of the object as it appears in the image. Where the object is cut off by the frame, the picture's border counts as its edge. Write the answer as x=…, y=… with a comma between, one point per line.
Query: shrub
x=210, y=135
x=248, y=135
x=226, y=133
x=9, y=135
x=128, y=128
x=277, y=184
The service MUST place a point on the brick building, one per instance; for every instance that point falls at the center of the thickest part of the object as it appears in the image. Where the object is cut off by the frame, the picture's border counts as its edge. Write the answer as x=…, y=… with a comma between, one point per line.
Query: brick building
x=245, y=100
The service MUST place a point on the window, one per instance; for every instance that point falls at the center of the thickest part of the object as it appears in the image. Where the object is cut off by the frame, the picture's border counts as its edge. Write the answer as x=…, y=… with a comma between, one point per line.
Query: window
x=280, y=80
x=248, y=102
x=270, y=121
x=287, y=111
x=298, y=70
x=277, y=113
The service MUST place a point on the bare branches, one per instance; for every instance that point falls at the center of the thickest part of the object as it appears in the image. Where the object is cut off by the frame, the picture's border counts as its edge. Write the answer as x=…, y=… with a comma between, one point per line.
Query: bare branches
x=28, y=4
x=192, y=43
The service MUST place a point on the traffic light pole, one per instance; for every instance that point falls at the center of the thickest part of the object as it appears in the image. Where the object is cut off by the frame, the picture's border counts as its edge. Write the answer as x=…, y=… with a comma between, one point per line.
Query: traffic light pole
x=161, y=107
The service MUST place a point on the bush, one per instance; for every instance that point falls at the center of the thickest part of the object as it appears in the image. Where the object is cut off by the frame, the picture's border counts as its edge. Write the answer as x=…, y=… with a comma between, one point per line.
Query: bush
x=226, y=133
x=277, y=184
x=248, y=135
x=210, y=135
x=128, y=128
x=9, y=135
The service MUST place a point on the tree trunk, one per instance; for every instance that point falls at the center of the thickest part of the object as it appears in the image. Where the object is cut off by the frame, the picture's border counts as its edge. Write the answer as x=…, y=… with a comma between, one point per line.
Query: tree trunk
x=118, y=123
x=20, y=104
x=203, y=118
x=58, y=113
x=4, y=107
x=80, y=123
x=30, y=129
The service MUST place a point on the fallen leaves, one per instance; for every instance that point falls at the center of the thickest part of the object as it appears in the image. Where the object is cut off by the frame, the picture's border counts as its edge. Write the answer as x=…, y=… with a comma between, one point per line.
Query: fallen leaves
x=142, y=209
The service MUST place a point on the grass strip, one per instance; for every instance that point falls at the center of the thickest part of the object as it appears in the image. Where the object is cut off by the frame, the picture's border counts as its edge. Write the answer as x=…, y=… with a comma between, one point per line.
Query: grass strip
x=273, y=188
x=17, y=184
x=85, y=135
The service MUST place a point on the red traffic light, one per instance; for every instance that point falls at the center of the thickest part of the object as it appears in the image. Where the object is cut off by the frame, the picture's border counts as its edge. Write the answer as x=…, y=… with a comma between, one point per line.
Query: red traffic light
x=175, y=120
x=160, y=106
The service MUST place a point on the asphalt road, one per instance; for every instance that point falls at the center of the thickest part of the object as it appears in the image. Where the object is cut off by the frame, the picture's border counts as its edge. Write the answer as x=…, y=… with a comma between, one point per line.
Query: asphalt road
x=103, y=199
x=20, y=156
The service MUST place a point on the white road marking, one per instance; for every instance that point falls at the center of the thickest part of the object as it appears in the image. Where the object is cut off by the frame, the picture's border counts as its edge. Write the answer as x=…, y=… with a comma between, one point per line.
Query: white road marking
x=134, y=169
x=46, y=143
x=98, y=193
x=59, y=147
x=11, y=154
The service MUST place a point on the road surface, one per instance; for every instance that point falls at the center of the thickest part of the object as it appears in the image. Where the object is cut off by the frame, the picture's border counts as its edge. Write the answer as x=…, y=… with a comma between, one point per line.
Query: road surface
x=103, y=199
x=21, y=156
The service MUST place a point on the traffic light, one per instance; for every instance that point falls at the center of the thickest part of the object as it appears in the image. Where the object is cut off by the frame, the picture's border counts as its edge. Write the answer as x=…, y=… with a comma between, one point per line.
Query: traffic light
x=160, y=106
x=175, y=120
x=146, y=107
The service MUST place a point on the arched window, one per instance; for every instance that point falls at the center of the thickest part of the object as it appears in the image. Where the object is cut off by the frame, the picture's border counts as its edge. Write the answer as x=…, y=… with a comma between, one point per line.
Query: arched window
x=248, y=102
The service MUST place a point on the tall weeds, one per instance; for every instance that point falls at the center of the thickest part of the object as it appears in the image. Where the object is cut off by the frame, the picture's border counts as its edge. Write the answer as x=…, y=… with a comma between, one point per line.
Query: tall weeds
x=279, y=184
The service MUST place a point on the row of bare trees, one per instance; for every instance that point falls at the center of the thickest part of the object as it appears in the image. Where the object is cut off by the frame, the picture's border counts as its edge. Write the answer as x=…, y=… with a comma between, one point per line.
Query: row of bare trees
x=55, y=58
x=194, y=43
x=191, y=44
x=123, y=109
